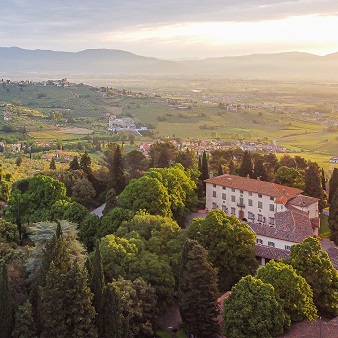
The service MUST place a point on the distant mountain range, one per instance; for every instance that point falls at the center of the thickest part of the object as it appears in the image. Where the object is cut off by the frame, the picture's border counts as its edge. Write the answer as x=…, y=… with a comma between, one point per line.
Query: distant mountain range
x=290, y=65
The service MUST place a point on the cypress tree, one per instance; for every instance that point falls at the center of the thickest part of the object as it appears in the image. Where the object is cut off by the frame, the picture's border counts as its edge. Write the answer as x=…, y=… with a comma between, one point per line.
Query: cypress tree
x=98, y=288
x=245, y=168
x=232, y=167
x=204, y=167
x=259, y=170
x=74, y=164
x=220, y=170
x=52, y=165
x=114, y=160
x=333, y=218
x=6, y=304
x=86, y=165
x=198, y=291
x=323, y=180
x=313, y=185
x=24, y=322
x=333, y=184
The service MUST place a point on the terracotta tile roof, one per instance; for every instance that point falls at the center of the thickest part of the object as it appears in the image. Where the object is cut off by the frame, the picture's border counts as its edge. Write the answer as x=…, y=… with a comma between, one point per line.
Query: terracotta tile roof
x=290, y=225
x=257, y=186
x=270, y=252
x=333, y=254
x=303, y=201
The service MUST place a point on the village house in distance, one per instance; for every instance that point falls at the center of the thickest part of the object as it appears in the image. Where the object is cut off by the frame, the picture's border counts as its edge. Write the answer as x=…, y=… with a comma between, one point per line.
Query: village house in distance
x=279, y=215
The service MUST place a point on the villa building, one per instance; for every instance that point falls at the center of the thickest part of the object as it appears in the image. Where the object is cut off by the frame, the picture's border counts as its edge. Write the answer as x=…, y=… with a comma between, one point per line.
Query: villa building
x=279, y=215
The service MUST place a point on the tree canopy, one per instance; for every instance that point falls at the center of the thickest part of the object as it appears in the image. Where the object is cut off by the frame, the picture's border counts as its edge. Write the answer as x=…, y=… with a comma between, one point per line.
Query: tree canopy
x=230, y=244
x=252, y=310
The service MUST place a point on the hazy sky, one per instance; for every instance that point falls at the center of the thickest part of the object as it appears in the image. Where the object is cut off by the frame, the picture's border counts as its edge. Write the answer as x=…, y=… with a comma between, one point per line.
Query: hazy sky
x=172, y=28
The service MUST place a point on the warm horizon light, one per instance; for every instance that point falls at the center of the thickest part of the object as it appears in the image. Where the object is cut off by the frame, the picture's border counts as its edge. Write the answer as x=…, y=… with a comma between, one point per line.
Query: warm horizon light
x=173, y=29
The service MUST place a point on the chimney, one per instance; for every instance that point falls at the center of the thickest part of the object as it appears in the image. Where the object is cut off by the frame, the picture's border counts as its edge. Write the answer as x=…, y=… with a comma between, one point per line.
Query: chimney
x=211, y=175
x=258, y=178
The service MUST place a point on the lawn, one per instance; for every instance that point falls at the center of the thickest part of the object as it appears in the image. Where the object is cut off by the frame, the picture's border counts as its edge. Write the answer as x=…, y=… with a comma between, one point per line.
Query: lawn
x=324, y=230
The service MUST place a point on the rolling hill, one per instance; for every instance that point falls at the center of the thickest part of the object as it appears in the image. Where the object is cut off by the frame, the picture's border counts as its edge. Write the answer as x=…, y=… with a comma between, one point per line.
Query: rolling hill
x=289, y=65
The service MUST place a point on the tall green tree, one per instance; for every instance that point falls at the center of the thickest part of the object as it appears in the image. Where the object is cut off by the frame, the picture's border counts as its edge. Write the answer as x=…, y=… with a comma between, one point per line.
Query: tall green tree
x=198, y=291
x=246, y=167
x=98, y=287
x=162, y=154
x=74, y=164
x=52, y=165
x=252, y=310
x=294, y=292
x=333, y=218
x=115, y=165
x=313, y=186
x=136, y=164
x=86, y=165
x=290, y=177
x=323, y=180
x=259, y=170
x=146, y=193
x=6, y=304
x=88, y=231
x=24, y=322
x=333, y=184
x=230, y=244
x=314, y=264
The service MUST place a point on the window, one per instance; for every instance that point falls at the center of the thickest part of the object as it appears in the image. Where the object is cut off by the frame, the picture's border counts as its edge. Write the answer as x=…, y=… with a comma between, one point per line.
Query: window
x=214, y=185
x=233, y=211
x=251, y=215
x=272, y=244
x=272, y=198
x=259, y=241
x=224, y=196
x=233, y=189
x=287, y=247
x=241, y=201
x=250, y=203
x=250, y=193
x=241, y=191
x=214, y=205
x=272, y=207
x=224, y=208
x=271, y=221
x=260, y=205
x=233, y=198
x=214, y=194
x=259, y=195
x=260, y=218
x=224, y=188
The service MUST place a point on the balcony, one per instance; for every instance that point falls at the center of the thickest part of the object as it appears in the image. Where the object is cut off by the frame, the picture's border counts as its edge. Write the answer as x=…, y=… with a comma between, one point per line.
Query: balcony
x=241, y=205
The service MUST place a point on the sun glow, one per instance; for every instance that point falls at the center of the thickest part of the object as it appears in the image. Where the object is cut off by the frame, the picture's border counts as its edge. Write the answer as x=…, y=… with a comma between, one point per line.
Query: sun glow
x=316, y=34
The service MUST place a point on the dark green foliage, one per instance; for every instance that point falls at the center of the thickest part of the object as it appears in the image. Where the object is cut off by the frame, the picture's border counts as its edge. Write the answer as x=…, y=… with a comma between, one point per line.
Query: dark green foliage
x=198, y=291
x=112, y=315
x=292, y=289
x=187, y=158
x=71, y=211
x=86, y=165
x=314, y=264
x=24, y=322
x=287, y=161
x=246, y=168
x=204, y=167
x=230, y=244
x=333, y=218
x=114, y=162
x=220, y=170
x=52, y=165
x=162, y=155
x=290, y=177
x=4, y=191
x=135, y=164
x=98, y=288
x=74, y=164
x=333, y=184
x=313, y=185
x=138, y=306
x=259, y=170
x=323, y=180
x=8, y=233
x=88, y=231
x=6, y=304
x=67, y=302
x=41, y=194
x=112, y=220
x=253, y=310
x=146, y=193
x=110, y=201
x=83, y=192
